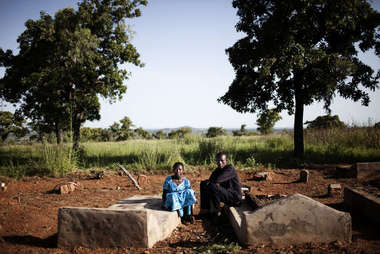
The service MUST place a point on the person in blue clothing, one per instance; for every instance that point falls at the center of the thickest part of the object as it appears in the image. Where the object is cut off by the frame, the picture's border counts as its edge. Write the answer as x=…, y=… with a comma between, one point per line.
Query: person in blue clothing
x=177, y=194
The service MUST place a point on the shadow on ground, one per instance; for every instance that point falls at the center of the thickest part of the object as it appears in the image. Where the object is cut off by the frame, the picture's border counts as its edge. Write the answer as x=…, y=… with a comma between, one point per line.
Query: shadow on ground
x=49, y=242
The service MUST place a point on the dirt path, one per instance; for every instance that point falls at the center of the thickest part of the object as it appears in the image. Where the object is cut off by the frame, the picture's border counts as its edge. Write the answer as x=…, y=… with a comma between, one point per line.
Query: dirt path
x=28, y=213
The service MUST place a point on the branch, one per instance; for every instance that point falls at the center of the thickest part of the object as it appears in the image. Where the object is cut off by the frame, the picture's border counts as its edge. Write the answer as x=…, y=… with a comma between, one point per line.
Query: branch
x=130, y=176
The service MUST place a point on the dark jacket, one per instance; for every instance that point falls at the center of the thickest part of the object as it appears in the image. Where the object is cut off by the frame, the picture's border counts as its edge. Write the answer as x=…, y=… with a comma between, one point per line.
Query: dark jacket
x=228, y=179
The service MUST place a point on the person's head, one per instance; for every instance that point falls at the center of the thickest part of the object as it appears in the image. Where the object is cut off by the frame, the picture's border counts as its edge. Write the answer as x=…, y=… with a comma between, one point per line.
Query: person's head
x=178, y=169
x=221, y=159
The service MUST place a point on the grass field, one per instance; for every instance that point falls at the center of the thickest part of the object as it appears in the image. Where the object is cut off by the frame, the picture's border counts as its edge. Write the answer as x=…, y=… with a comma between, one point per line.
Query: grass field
x=271, y=151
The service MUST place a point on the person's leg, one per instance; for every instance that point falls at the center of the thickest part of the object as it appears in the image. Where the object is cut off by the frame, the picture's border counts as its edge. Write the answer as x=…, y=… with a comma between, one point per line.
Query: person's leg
x=204, y=195
x=180, y=212
x=210, y=197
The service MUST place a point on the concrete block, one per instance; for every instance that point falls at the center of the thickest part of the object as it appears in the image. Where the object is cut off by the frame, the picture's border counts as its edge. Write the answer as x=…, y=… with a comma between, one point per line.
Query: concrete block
x=138, y=221
x=368, y=171
x=345, y=171
x=363, y=202
x=334, y=189
x=290, y=220
x=304, y=176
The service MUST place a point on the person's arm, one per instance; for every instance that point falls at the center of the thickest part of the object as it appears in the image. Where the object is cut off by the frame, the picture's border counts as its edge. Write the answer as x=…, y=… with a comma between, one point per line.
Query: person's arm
x=165, y=189
x=164, y=192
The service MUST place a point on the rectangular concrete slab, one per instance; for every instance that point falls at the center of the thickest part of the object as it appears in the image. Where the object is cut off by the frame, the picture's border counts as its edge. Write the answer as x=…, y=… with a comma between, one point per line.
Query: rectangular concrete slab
x=290, y=220
x=368, y=171
x=138, y=221
x=363, y=202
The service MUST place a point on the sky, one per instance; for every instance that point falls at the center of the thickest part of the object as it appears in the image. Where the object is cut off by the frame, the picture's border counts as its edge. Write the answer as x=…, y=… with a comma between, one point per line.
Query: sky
x=182, y=44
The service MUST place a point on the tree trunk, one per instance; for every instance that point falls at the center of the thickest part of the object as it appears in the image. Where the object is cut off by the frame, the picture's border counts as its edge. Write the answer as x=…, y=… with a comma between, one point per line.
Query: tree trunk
x=58, y=134
x=76, y=136
x=77, y=122
x=298, y=125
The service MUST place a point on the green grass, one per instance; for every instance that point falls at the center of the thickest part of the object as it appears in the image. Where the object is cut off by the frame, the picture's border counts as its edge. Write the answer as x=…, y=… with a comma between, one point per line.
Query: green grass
x=247, y=152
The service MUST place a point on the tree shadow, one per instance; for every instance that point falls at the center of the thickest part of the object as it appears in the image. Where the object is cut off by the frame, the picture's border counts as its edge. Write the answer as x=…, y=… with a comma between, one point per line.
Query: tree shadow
x=48, y=242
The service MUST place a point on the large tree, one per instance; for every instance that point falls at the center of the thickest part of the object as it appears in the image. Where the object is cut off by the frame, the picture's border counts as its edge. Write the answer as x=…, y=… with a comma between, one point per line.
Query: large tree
x=65, y=63
x=297, y=52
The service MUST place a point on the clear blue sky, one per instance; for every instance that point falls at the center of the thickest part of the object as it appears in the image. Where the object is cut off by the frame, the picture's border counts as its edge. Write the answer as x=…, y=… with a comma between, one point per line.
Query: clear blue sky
x=183, y=44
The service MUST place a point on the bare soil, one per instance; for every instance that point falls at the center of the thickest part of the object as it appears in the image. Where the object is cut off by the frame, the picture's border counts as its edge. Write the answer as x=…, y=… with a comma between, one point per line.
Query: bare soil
x=28, y=212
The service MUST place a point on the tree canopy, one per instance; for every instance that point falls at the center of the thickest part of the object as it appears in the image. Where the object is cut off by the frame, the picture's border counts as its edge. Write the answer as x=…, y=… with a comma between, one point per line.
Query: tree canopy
x=213, y=132
x=297, y=52
x=9, y=123
x=267, y=120
x=325, y=122
x=67, y=61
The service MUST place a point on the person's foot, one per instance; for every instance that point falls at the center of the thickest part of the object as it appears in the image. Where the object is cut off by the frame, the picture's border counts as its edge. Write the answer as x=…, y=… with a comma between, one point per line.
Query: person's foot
x=187, y=219
x=184, y=221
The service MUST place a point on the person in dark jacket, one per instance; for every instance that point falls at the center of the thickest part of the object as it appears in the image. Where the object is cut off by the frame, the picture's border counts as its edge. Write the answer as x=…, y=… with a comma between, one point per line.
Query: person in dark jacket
x=222, y=186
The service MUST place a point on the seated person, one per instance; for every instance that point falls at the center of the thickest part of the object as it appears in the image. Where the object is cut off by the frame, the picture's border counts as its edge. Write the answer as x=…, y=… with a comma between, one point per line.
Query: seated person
x=177, y=194
x=222, y=186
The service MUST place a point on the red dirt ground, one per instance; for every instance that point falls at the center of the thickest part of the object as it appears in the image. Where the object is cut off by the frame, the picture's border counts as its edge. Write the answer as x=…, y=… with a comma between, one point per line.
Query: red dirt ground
x=28, y=212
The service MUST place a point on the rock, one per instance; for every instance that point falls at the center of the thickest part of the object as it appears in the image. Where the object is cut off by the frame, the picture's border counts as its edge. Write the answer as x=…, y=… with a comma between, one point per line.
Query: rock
x=65, y=188
x=334, y=189
x=138, y=222
x=304, y=176
x=3, y=187
x=293, y=219
x=142, y=180
x=262, y=176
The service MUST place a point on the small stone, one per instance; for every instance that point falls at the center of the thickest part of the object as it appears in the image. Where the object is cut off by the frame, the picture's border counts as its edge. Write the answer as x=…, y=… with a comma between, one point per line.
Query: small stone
x=3, y=187
x=334, y=188
x=262, y=176
x=142, y=180
x=65, y=188
x=304, y=176
x=117, y=187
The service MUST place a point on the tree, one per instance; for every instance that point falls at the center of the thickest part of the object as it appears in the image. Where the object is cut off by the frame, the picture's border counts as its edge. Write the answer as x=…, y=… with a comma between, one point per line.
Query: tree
x=115, y=130
x=267, y=120
x=125, y=129
x=180, y=133
x=160, y=134
x=66, y=62
x=143, y=133
x=240, y=132
x=9, y=123
x=325, y=122
x=297, y=52
x=215, y=131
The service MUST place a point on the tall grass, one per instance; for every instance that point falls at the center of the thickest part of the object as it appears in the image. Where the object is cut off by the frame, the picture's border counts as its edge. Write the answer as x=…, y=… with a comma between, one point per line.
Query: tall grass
x=58, y=160
x=246, y=152
x=36, y=159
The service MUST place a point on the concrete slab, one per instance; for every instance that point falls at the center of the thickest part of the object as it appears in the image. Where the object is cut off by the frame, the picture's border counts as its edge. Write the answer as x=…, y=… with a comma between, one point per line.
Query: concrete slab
x=138, y=221
x=368, y=171
x=290, y=220
x=365, y=202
